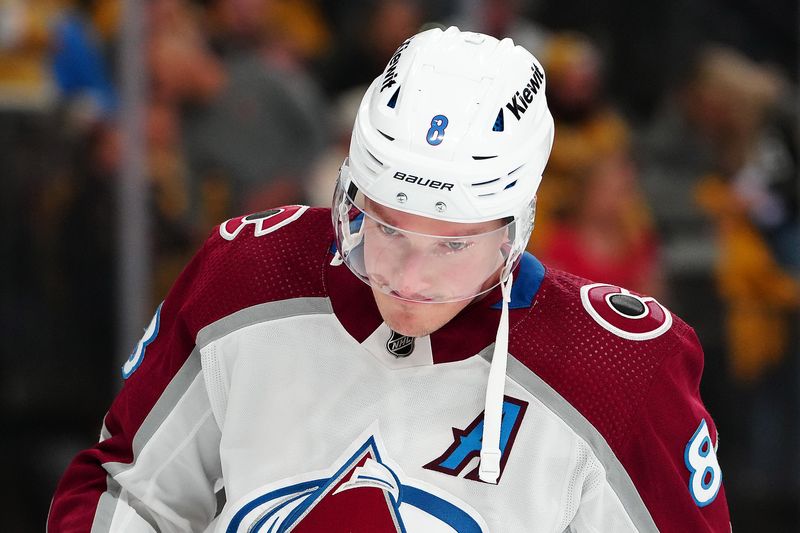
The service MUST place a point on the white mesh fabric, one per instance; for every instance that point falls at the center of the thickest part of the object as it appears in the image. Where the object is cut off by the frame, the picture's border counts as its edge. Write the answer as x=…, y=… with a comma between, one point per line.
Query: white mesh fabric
x=586, y=475
x=216, y=383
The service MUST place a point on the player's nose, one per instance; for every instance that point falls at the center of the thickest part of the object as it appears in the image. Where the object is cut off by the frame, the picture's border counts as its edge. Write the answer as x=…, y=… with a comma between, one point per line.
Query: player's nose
x=411, y=277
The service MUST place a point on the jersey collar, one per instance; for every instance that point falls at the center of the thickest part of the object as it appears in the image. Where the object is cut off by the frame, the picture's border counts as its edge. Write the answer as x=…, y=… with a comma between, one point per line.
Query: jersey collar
x=464, y=336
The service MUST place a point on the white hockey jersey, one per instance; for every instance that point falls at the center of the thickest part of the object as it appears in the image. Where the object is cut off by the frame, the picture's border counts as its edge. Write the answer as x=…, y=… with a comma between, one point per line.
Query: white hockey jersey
x=268, y=395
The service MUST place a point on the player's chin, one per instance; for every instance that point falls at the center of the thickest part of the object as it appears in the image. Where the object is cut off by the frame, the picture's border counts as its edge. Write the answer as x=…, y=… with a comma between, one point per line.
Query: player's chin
x=410, y=328
x=414, y=319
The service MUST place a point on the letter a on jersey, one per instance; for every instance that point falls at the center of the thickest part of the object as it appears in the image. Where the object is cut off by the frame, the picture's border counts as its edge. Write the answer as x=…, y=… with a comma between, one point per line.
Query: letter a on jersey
x=466, y=444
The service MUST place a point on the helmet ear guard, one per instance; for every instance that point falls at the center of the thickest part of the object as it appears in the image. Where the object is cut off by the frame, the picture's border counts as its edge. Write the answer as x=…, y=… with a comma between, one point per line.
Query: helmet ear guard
x=351, y=230
x=522, y=233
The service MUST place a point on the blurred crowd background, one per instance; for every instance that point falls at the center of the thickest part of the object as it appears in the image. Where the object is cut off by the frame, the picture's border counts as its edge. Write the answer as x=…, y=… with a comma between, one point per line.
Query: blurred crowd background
x=674, y=173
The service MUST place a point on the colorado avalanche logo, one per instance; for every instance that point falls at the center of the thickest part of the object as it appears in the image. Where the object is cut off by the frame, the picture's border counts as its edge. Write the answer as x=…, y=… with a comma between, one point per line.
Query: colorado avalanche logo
x=364, y=493
x=264, y=222
x=624, y=314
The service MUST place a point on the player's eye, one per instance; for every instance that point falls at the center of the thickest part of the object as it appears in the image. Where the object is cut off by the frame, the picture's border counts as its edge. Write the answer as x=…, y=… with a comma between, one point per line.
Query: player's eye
x=387, y=230
x=456, y=246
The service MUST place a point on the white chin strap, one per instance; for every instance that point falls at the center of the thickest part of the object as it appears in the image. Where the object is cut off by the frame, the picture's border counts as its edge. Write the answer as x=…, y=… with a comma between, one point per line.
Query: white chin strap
x=489, y=469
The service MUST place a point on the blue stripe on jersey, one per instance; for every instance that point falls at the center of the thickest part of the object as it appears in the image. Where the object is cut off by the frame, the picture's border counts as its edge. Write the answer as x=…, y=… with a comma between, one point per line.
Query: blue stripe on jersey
x=526, y=284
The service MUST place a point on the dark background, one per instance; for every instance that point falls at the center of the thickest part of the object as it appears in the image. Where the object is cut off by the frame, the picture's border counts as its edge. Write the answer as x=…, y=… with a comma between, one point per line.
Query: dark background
x=232, y=85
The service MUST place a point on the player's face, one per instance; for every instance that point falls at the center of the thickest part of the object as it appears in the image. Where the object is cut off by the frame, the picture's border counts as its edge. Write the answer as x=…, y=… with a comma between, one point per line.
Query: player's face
x=418, y=280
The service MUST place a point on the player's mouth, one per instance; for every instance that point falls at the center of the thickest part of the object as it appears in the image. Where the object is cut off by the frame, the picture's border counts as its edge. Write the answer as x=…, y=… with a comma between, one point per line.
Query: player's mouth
x=411, y=298
x=407, y=297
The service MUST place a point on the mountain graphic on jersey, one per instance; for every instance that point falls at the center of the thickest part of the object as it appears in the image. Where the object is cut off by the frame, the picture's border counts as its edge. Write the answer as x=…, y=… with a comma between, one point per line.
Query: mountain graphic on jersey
x=364, y=493
x=364, y=499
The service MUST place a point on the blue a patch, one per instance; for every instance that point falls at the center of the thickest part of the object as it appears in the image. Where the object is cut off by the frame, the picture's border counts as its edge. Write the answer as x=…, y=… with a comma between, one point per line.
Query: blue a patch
x=467, y=442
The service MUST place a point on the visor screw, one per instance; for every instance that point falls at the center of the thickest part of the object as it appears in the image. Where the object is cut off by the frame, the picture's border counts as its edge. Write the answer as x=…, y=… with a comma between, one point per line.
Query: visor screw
x=401, y=197
x=441, y=207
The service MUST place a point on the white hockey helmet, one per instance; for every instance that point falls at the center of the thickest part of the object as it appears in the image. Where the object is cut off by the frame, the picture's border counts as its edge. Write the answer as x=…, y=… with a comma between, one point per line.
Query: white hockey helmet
x=457, y=129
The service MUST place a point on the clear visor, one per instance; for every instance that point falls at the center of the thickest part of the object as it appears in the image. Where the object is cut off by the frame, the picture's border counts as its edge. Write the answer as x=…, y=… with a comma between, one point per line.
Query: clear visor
x=416, y=258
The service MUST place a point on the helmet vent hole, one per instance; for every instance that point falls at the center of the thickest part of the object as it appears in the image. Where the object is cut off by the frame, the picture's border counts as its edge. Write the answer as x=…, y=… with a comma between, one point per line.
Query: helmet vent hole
x=516, y=169
x=387, y=136
x=374, y=158
x=499, y=122
x=485, y=182
x=482, y=157
x=510, y=185
x=393, y=100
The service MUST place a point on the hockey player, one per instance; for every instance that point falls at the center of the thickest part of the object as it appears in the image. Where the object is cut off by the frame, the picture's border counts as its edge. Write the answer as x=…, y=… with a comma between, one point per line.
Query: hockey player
x=408, y=367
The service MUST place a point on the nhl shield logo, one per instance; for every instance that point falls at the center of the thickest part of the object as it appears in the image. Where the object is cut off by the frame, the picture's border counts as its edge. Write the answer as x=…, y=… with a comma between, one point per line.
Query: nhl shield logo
x=400, y=345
